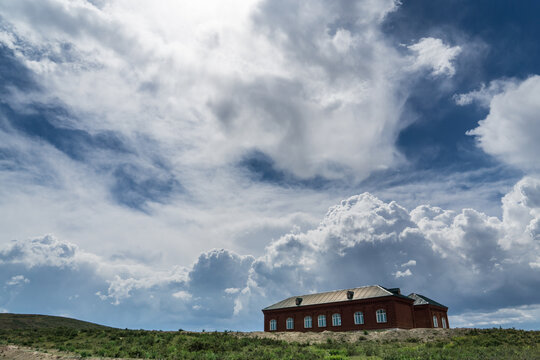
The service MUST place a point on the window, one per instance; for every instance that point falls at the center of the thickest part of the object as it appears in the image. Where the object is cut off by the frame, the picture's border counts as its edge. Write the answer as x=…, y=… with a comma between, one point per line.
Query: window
x=336, y=320
x=308, y=324
x=444, y=323
x=358, y=318
x=435, y=321
x=290, y=323
x=322, y=321
x=273, y=325
x=381, y=316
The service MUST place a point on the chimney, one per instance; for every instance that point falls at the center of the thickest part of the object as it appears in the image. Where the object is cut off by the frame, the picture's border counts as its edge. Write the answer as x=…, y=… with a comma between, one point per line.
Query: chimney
x=396, y=291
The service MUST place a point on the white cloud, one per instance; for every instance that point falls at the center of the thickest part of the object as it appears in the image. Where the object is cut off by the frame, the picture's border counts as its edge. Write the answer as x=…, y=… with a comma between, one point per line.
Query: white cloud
x=343, y=40
x=190, y=90
x=510, y=131
x=409, y=263
x=363, y=235
x=17, y=280
x=405, y=273
x=485, y=94
x=268, y=75
x=521, y=211
x=500, y=317
x=434, y=54
x=459, y=254
x=460, y=258
x=182, y=295
x=45, y=251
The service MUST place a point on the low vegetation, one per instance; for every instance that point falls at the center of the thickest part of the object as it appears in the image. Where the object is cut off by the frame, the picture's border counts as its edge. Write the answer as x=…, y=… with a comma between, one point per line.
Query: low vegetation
x=22, y=321
x=117, y=343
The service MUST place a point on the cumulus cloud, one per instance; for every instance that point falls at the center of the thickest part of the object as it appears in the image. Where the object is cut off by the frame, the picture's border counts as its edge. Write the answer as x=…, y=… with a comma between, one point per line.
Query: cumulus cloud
x=458, y=255
x=400, y=273
x=466, y=260
x=45, y=251
x=158, y=107
x=511, y=129
x=432, y=53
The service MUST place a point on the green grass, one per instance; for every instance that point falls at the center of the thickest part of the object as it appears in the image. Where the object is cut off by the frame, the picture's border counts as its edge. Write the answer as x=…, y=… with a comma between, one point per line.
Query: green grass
x=109, y=342
x=21, y=321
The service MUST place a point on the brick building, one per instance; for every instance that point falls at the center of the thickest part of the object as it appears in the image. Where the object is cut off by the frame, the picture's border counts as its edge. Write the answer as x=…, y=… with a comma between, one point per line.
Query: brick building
x=363, y=308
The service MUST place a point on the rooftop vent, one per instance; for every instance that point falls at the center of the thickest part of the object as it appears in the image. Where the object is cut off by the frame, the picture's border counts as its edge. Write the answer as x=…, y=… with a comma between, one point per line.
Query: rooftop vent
x=396, y=291
x=298, y=301
x=350, y=294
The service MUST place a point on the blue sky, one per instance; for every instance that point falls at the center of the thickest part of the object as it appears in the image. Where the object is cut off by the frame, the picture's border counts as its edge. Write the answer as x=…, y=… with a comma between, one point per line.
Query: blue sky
x=170, y=165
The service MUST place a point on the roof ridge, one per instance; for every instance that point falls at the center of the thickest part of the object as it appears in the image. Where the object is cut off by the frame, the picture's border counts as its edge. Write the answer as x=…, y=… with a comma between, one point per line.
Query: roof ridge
x=427, y=300
x=385, y=289
x=332, y=291
x=360, y=292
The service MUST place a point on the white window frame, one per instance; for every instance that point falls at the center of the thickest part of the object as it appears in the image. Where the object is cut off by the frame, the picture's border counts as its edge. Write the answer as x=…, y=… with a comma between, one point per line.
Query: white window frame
x=273, y=325
x=321, y=321
x=336, y=319
x=290, y=323
x=308, y=322
x=381, y=316
x=435, y=324
x=443, y=320
x=359, y=318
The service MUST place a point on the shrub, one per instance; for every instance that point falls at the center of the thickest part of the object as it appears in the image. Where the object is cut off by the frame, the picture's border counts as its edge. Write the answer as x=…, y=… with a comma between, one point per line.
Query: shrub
x=335, y=357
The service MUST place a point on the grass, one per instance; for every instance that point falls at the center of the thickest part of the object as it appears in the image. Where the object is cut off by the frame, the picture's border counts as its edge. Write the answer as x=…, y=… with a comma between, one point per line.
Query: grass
x=109, y=342
x=21, y=321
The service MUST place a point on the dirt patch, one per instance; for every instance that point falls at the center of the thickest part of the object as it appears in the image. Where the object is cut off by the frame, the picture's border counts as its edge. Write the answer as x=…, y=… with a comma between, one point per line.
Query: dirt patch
x=413, y=335
x=13, y=352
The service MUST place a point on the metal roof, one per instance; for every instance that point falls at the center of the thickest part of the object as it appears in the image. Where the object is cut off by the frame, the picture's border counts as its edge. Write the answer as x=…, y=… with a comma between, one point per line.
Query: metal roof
x=424, y=300
x=364, y=292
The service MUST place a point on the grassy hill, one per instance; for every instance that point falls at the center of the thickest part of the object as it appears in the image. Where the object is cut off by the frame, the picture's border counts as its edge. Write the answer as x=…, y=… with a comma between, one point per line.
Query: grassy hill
x=82, y=339
x=21, y=321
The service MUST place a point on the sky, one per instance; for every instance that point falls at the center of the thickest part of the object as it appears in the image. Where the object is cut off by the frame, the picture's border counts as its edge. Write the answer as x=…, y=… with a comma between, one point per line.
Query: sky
x=184, y=164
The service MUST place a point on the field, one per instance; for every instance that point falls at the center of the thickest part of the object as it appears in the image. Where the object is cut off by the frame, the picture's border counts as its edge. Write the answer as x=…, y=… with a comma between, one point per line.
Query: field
x=22, y=321
x=94, y=341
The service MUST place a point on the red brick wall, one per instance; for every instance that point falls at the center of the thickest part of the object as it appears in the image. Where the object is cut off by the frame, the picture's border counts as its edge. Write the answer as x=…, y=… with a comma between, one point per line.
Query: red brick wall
x=423, y=316
x=404, y=315
x=398, y=314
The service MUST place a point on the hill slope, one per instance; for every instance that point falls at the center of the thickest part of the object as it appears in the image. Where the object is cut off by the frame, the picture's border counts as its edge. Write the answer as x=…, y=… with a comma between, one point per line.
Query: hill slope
x=21, y=321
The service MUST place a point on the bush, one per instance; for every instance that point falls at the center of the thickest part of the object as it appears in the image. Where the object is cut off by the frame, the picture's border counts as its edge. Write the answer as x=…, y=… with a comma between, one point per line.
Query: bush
x=476, y=344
